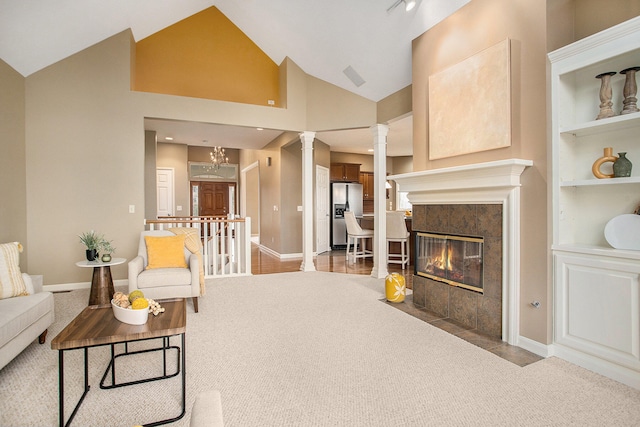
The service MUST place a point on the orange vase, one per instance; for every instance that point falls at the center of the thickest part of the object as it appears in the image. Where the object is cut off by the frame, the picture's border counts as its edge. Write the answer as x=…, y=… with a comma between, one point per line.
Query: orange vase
x=608, y=157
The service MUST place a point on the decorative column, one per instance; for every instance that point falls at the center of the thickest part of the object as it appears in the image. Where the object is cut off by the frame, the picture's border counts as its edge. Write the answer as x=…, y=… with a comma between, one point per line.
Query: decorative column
x=380, y=207
x=307, y=201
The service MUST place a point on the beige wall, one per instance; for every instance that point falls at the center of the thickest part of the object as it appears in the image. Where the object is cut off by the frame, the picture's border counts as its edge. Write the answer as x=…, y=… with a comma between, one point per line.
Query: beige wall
x=150, y=192
x=85, y=148
x=396, y=105
x=329, y=107
x=176, y=157
x=592, y=16
x=13, y=187
x=476, y=26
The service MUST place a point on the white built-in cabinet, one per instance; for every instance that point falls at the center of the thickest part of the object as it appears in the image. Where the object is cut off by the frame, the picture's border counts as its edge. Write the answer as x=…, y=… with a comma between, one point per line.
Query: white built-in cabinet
x=596, y=287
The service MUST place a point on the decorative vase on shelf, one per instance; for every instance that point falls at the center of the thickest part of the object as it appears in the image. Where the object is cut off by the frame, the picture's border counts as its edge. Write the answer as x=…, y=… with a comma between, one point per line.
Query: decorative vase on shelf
x=607, y=157
x=629, y=104
x=92, y=254
x=605, y=95
x=106, y=258
x=622, y=166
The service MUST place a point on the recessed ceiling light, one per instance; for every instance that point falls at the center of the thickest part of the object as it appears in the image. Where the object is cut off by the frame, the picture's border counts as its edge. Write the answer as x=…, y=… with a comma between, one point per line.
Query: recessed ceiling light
x=370, y=150
x=168, y=138
x=259, y=128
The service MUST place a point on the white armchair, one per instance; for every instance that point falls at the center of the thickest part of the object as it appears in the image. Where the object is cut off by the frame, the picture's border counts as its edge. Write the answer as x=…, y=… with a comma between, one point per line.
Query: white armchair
x=160, y=283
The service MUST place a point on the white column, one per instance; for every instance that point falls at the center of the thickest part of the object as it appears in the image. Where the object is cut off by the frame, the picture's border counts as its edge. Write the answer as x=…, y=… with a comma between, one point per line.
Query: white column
x=379, y=210
x=307, y=201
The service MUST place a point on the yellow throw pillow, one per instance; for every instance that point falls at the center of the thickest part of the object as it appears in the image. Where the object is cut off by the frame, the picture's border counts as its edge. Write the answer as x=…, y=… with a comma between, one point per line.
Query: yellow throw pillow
x=165, y=251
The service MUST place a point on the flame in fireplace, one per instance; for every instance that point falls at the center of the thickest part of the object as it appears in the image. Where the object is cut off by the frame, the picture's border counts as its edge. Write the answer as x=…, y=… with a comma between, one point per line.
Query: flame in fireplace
x=456, y=260
x=444, y=261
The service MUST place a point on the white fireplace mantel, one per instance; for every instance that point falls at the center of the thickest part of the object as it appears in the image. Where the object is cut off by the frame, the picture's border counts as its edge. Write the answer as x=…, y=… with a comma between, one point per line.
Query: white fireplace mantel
x=471, y=183
x=491, y=182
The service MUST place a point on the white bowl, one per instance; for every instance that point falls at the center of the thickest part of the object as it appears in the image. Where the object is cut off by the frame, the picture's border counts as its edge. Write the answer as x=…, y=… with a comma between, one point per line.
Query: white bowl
x=130, y=316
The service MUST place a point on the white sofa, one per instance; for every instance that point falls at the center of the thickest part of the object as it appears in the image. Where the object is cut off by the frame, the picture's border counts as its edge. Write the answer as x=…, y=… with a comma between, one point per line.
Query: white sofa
x=23, y=319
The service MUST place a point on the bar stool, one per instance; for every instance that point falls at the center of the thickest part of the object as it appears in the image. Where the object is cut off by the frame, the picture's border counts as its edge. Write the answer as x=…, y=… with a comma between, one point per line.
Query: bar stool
x=397, y=232
x=355, y=232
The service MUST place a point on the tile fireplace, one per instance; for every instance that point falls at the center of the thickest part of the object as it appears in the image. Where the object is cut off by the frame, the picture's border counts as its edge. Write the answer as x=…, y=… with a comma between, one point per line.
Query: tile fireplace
x=478, y=200
x=458, y=269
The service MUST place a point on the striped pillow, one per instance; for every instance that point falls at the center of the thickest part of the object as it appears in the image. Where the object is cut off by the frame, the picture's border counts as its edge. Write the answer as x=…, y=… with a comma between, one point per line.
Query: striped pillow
x=11, y=281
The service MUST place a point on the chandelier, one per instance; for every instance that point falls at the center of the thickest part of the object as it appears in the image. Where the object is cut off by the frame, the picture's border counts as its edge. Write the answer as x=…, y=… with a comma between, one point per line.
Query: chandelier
x=218, y=158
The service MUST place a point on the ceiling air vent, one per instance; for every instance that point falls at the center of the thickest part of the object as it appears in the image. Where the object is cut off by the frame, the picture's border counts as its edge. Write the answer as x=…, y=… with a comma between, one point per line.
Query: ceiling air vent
x=353, y=76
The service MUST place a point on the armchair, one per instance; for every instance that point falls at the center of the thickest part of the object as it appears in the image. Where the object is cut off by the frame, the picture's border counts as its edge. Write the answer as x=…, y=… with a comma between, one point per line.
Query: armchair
x=170, y=282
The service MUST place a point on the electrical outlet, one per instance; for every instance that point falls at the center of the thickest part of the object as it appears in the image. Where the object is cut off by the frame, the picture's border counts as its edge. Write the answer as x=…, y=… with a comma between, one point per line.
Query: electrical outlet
x=178, y=208
x=132, y=208
x=271, y=102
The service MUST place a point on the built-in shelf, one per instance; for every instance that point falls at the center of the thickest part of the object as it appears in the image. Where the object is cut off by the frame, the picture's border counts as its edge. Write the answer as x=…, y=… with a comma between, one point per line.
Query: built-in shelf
x=598, y=251
x=595, y=286
x=606, y=181
x=595, y=127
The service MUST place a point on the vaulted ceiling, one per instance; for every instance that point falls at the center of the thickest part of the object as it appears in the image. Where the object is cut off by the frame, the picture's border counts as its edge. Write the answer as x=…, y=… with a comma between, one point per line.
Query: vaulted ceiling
x=324, y=37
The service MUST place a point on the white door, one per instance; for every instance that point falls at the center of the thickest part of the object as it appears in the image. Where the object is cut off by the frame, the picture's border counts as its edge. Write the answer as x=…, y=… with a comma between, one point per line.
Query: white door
x=322, y=212
x=165, y=191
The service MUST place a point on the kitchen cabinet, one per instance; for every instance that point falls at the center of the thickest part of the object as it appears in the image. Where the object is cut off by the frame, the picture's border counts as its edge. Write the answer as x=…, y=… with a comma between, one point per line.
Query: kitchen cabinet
x=368, y=195
x=345, y=172
x=366, y=179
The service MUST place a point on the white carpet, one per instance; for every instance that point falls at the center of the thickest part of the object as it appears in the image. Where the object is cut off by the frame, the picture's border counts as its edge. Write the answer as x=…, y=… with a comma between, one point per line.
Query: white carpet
x=316, y=349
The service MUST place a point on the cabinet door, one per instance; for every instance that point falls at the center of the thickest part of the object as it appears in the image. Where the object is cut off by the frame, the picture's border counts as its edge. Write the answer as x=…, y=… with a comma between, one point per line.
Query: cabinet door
x=370, y=186
x=337, y=172
x=597, y=307
x=366, y=179
x=352, y=172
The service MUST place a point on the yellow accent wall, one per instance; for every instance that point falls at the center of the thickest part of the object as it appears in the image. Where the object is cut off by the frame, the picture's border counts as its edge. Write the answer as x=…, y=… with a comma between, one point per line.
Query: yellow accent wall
x=206, y=56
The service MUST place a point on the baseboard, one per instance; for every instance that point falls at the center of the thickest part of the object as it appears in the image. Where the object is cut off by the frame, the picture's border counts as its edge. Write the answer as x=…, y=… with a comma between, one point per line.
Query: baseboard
x=535, y=347
x=66, y=287
x=600, y=366
x=281, y=256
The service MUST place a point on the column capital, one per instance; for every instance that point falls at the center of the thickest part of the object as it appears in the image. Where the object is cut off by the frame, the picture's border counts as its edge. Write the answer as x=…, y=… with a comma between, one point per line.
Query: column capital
x=379, y=130
x=307, y=137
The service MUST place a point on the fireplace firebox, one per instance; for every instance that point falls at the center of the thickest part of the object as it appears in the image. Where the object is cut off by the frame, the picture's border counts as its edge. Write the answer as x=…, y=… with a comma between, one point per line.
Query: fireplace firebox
x=455, y=260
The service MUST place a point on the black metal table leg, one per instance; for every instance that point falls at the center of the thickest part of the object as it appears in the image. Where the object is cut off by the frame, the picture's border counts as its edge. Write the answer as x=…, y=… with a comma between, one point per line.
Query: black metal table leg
x=61, y=386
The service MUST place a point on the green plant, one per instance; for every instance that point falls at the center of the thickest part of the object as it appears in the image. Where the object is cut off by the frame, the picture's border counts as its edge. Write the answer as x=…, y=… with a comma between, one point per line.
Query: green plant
x=92, y=240
x=106, y=247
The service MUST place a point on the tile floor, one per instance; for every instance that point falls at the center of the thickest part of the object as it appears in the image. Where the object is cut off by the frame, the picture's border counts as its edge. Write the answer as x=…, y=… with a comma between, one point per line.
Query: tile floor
x=496, y=346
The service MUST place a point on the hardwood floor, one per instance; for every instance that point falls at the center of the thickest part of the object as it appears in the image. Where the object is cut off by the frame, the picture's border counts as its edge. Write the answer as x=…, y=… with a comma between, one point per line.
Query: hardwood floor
x=334, y=261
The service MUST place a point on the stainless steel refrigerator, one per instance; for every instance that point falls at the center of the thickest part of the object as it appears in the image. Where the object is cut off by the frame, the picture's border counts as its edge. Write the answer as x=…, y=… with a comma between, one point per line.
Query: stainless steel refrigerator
x=344, y=197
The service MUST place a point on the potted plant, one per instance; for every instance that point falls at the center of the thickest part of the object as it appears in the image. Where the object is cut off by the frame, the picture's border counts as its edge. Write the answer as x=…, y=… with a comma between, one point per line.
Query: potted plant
x=106, y=247
x=93, y=242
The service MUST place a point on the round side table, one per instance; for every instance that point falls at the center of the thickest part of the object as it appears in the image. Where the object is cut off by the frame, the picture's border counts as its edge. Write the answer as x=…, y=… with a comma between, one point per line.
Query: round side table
x=101, y=283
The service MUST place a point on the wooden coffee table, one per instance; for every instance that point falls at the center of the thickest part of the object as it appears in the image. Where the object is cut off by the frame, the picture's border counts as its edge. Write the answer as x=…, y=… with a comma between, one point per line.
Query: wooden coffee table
x=97, y=326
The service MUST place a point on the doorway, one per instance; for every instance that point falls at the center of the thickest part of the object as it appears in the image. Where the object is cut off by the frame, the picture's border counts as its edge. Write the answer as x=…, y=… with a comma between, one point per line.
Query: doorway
x=165, y=192
x=213, y=198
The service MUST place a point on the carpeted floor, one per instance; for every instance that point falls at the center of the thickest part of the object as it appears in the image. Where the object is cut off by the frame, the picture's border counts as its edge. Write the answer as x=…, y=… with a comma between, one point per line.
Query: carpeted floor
x=315, y=349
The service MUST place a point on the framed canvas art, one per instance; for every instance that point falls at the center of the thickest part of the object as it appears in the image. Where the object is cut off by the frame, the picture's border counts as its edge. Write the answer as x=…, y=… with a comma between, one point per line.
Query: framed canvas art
x=470, y=104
